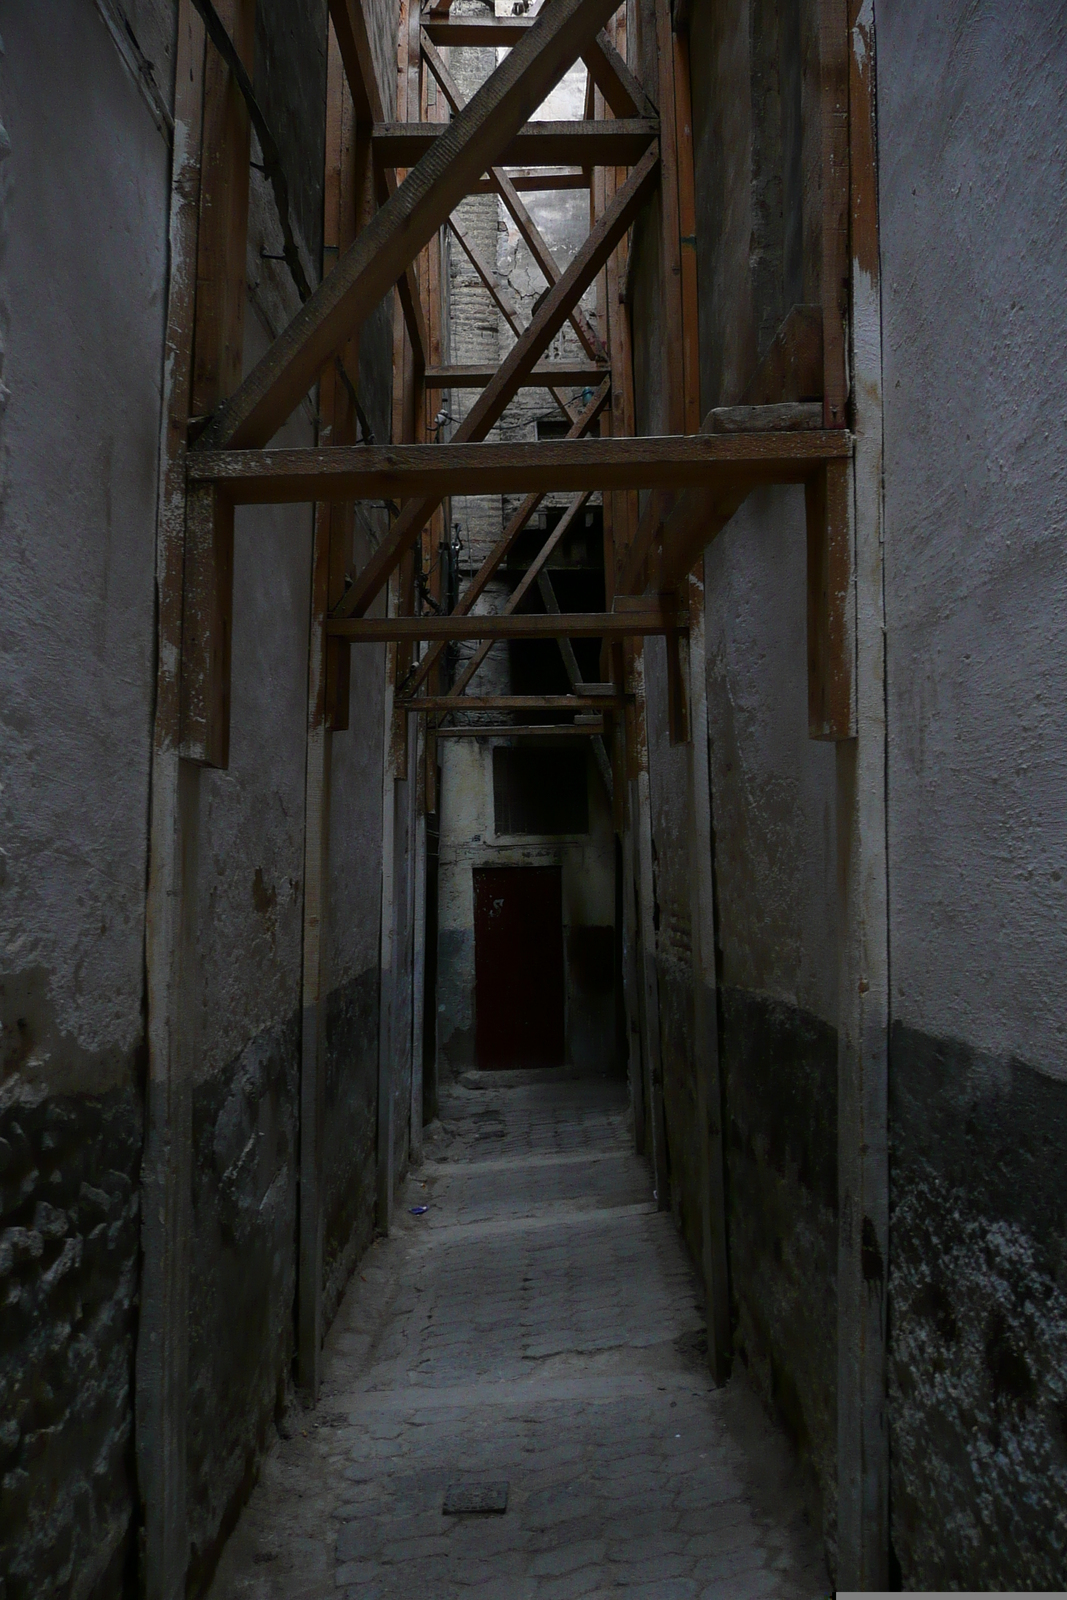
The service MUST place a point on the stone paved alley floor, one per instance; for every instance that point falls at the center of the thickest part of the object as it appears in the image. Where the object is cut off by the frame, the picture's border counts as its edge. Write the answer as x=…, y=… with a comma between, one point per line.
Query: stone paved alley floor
x=539, y=1325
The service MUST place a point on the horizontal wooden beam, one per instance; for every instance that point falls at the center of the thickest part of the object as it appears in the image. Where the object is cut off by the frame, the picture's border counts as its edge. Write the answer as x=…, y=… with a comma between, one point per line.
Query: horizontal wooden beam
x=636, y=623
x=476, y=31
x=562, y=373
x=537, y=180
x=371, y=472
x=514, y=702
x=525, y=730
x=394, y=237
x=617, y=142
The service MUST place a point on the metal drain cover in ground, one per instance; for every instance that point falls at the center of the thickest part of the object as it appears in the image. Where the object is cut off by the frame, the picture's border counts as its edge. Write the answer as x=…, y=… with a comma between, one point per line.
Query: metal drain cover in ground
x=463, y=1498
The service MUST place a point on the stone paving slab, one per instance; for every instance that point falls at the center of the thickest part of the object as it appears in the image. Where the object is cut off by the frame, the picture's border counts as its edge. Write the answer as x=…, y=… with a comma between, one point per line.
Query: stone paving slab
x=540, y=1326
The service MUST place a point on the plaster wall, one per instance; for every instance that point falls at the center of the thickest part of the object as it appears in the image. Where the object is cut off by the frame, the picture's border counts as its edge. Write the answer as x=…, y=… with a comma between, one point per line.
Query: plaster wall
x=83, y=210
x=974, y=267
x=772, y=790
x=468, y=840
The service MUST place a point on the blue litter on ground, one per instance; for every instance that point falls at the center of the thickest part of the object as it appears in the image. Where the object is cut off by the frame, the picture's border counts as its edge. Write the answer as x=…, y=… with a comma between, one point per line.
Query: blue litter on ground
x=419, y=1211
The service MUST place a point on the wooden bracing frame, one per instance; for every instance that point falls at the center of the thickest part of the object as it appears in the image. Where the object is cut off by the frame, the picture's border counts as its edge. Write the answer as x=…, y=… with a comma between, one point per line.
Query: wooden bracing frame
x=392, y=187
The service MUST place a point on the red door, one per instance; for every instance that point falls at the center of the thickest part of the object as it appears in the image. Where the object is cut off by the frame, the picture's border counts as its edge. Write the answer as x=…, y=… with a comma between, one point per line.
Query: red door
x=518, y=966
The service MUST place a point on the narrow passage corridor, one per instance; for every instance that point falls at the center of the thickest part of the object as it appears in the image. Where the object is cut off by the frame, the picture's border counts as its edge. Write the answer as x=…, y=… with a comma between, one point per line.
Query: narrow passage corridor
x=540, y=1326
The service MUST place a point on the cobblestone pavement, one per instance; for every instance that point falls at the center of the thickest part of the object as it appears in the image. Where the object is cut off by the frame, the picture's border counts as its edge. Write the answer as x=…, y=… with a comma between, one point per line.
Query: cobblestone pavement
x=539, y=1325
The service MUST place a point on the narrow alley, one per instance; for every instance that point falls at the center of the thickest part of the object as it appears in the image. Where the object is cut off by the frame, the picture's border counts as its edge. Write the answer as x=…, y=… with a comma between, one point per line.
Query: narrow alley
x=533, y=761
x=538, y=1326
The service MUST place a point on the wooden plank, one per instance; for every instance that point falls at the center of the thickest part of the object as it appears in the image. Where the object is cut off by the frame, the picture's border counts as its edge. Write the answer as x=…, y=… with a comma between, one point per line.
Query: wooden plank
x=546, y=322
x=831, y=605
x=536, y=181
x=508, y=193
x=687, y=223
x=514, y=702
x=571, y=625
x=785, y=418
x=429, y=193
x=863, y=918
x=207, y=620
x=467, y=33
x=649, y=975
x=614, y=143
x=525, y=730
x=582, y=374
x=613, y=78
x=161, y=1407
x=834, y=275
x=254, y=477
x=525, y=584
x=713, y=1257
x=792, y=368
x=507, y=539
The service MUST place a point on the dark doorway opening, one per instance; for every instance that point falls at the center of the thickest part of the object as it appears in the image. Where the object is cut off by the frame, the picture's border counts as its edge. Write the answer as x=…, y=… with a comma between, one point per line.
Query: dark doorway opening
x=518, y=966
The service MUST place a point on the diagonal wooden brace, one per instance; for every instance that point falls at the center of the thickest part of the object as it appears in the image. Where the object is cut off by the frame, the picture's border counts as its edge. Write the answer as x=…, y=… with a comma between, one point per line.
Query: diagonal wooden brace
x=518, y=363
x=405, y=224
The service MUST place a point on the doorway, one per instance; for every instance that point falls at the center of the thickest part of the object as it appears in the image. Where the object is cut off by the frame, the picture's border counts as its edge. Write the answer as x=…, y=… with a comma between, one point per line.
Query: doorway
x=518, y=966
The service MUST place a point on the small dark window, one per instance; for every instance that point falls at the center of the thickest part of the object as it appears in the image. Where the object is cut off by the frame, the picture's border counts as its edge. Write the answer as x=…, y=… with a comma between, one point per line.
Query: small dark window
x=540, y=791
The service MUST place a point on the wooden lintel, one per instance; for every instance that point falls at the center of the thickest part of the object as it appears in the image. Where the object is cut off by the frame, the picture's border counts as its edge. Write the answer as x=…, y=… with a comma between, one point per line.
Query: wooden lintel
x=359, y=472
x=639, y=622
x=533, y=180
x=615, y=143
x=514, y=702
x=564, y=373
x=525, y=730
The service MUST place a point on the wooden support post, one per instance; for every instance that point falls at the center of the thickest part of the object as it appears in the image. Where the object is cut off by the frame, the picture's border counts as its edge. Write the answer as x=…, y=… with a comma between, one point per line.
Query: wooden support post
x=207, y=623
x=833, y=99
x=418, y=960
x=388, y=954
x=327, y=709
x=649, y=976
x=161, y=1379
x=706, y=1003
x=831, y=605
x=863, y=941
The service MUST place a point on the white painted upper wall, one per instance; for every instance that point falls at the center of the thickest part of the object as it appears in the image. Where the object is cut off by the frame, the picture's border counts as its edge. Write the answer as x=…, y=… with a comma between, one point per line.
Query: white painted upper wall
x=973, y=189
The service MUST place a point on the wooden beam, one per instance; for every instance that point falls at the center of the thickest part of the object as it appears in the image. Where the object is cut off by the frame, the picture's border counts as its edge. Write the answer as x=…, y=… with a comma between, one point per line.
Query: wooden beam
x=792, y=368
x=578, y=374
x=350, y=28
x=257, y=477
x=616, y=82
x=507, y=539
x=476, y=32
x=709, y=1103
x=614, y=143
x=571, y=624
x=508, y=193
x=863, y=1015
x=578, y=703
x=524, y=585
x=161, y=1395
x=831, y=606
x=207, y=621
x=429, y=193
x=549, y=317
x=834, y=275
x=536, y=181
x=525, y=730
x=501, y=297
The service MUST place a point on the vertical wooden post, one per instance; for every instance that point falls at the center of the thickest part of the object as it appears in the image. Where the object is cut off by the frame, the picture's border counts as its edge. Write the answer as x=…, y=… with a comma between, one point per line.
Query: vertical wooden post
x=207, y=622
x=387, y=1006
x=418, y=962
x=834, y=272
x=863, y=1017
x=705, y=1004
x=161, y=1399
x=642, y=815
